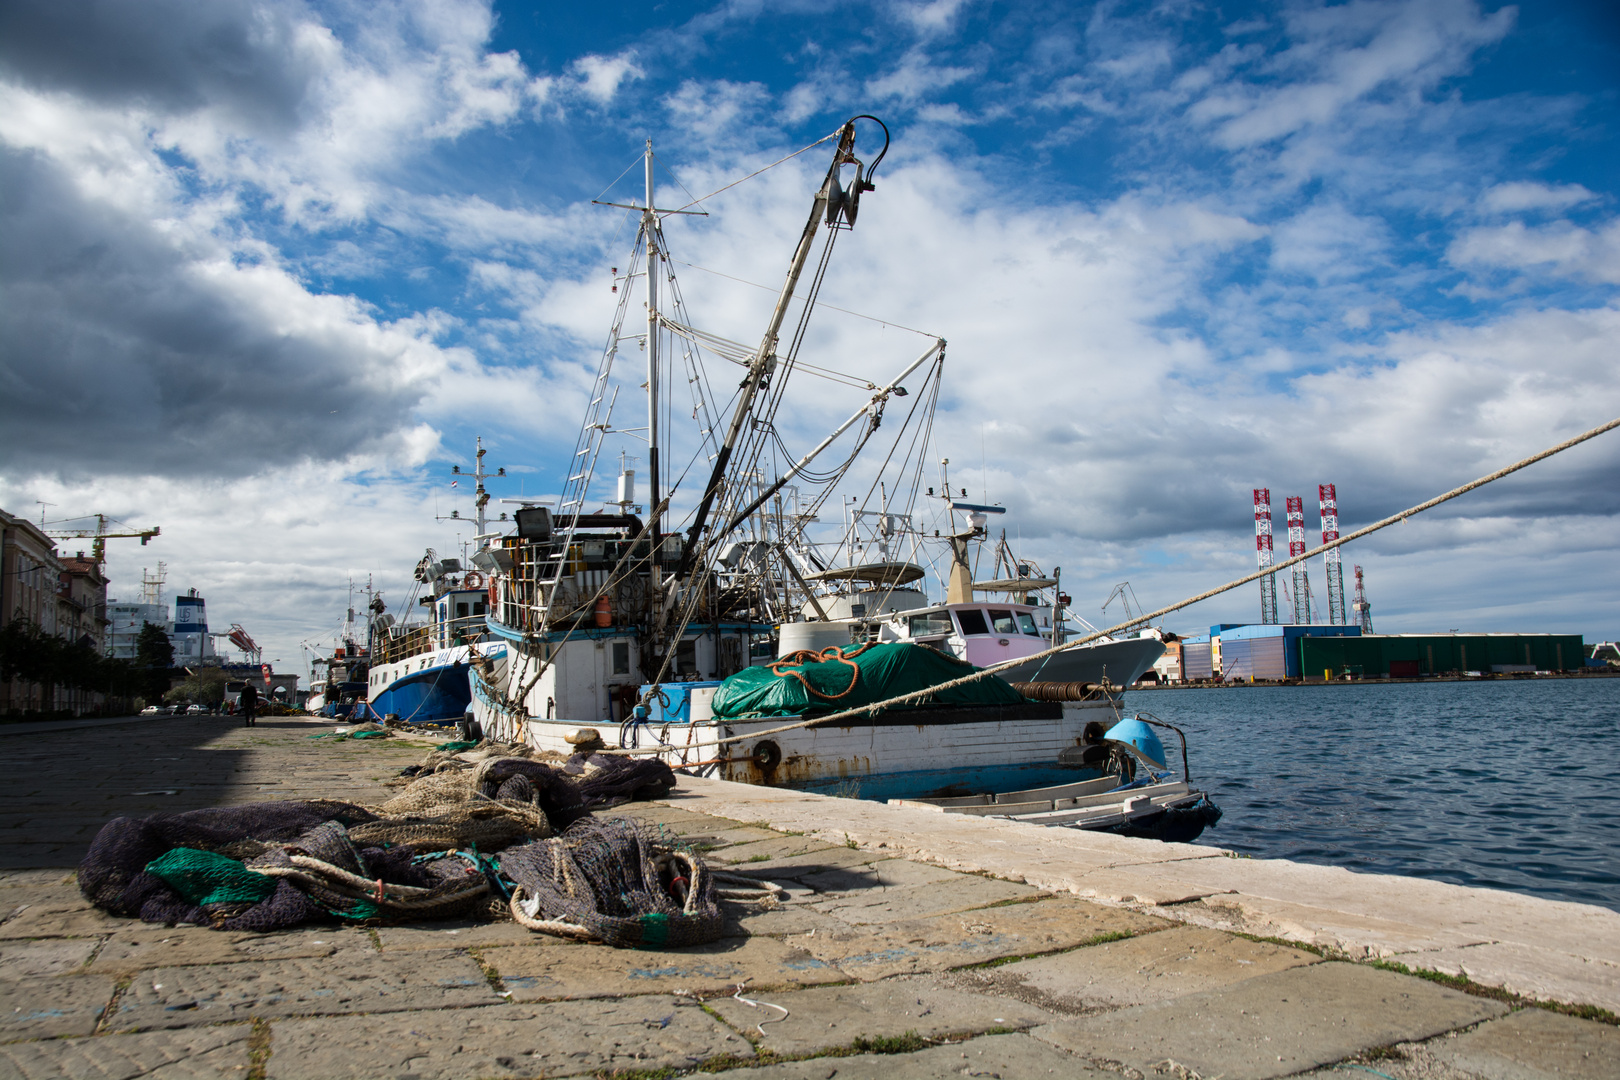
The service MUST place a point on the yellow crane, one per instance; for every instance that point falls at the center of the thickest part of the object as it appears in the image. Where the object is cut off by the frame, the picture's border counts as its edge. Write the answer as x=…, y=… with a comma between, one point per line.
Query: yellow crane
x=98, y=550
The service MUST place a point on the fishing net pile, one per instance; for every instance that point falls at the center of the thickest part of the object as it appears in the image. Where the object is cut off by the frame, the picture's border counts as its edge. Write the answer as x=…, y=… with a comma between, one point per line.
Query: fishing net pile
x=453, y=843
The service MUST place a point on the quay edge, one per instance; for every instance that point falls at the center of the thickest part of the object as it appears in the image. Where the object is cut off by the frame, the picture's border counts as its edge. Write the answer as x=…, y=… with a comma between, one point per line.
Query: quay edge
x=1543, y=950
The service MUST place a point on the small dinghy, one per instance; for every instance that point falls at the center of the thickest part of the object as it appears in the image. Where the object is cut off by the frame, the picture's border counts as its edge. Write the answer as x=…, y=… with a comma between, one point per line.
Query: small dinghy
x=1138, y=795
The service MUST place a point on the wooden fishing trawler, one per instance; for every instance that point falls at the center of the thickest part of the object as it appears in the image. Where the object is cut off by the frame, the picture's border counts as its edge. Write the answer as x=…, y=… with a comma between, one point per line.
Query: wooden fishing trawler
x=622, y=621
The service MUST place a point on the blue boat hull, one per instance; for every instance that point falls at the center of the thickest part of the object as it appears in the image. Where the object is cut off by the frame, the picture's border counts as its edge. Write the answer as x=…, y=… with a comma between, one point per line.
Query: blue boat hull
x=433, y=695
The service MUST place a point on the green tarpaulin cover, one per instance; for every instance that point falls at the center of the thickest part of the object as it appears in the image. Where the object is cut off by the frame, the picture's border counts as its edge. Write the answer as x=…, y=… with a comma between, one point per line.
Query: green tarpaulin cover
x=879, y=672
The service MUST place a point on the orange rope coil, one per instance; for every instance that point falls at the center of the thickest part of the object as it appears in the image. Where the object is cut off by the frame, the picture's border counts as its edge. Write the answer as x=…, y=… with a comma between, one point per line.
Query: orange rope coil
x=828, y=655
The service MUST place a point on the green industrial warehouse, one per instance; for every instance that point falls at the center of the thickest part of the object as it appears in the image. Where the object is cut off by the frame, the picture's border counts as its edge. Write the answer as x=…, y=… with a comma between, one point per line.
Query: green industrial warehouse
x=1410, y=656
x=1313, y=652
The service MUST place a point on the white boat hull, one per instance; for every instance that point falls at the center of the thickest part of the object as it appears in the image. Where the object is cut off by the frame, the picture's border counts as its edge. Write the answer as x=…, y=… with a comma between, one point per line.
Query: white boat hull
x=933, y=753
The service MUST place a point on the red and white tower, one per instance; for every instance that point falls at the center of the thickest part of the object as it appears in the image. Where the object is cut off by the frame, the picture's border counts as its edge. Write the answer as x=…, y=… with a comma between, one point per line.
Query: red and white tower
x=1327, y=501
x=1262, y=548
x=1362, y=608
x=1296, y=546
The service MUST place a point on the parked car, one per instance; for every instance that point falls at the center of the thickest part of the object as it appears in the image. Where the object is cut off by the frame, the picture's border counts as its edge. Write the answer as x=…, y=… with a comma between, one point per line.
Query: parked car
x=153, y=710
x=196, y=710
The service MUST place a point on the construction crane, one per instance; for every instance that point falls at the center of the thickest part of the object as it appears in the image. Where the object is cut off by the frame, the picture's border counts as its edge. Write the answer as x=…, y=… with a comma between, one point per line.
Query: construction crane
x=1125, y=595
x=98, y=550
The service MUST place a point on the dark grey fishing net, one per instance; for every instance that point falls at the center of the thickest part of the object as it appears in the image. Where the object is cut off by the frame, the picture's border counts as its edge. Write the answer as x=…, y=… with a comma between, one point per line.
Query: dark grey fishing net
x=113, y=874
x=504, y=801
x=615, y=880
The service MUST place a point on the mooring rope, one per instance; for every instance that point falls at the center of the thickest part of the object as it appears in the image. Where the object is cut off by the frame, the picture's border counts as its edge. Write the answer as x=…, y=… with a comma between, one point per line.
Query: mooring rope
x=917, y=695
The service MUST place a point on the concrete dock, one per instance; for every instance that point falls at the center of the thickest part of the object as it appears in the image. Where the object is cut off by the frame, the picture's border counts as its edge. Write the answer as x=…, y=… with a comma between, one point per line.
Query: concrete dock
x=914, y=944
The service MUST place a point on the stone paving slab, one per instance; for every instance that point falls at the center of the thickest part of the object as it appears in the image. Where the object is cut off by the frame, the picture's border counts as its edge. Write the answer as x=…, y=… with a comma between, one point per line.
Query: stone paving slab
x=961, y=893
x=792, y=867
x=1132, y=885
x=193, y=1054
x=593, y=971
x=188, y=996
x=46, y=876
x=56, y=915
x=1272, y=1025
x=562, y=1039
x=971, y=937
x=1538, y=974
x=718, y=837
x=49, y=956
x=747, y=920
x=775, y=850
x=833, y=1016
x=43, y=1008
x=1350, y=911
x=1534, y=1044
x=1153, y=967
x=461, y=934
x=994, y=1057
x=882, y=874
x=1344, y=932
x=154, y=945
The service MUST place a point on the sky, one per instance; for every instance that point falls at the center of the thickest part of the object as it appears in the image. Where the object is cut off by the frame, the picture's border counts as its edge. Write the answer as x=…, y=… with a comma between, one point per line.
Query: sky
x=271, y=267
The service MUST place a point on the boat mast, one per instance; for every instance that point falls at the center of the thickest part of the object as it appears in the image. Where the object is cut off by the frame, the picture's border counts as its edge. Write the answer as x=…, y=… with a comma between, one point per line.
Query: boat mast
x=649, y=228
x=481, y=497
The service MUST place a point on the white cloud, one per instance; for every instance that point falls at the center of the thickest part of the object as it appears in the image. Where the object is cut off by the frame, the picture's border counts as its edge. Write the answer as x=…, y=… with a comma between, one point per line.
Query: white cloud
x=1561, y=247
x=1344, y=54
x=1523, y=195
x=914, y=77
x=601, y=76
x=932, y=16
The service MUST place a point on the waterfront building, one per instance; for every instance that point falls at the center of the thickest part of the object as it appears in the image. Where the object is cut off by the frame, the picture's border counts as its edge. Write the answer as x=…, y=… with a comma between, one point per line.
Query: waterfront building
x=125, y=622
x=65, y=597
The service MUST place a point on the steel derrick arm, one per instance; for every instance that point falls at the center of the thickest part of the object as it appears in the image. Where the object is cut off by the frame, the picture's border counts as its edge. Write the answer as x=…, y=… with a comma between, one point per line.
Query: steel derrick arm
x=831, y=202
x=875, y=404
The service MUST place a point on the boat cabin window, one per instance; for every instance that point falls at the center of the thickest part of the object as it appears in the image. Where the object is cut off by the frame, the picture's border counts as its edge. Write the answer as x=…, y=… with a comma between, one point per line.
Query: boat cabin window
x=478, y=608
x=971, y=620
x=621, y=658
x=1003, y=622
x=461, y=611
x=1026, y=623
x=931, y=624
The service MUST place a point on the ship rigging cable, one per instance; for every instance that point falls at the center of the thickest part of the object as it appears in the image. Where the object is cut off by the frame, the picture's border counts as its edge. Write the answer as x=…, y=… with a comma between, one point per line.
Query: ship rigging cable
x=1145, y=619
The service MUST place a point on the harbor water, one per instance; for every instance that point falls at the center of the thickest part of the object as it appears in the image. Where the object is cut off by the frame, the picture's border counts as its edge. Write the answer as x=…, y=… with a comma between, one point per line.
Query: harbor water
x=1501, y=784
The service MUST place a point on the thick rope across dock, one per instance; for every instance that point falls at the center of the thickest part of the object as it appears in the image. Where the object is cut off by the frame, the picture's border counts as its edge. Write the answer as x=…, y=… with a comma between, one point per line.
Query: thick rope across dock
x=1140, y=620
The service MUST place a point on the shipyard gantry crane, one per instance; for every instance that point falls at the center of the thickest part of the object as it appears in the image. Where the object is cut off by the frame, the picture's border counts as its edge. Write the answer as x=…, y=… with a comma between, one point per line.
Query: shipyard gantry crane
x=98, y=549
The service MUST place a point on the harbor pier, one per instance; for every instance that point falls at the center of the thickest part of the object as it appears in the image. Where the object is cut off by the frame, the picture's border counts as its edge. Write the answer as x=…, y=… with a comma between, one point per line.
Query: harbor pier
x=912, y=944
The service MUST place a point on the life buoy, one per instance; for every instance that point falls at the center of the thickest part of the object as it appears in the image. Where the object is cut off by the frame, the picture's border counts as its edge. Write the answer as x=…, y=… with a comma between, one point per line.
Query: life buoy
x=473, y=580
x=492, y=594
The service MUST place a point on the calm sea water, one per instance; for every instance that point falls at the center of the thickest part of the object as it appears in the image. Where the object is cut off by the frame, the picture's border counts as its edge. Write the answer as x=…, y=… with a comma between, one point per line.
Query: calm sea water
x=1508, y=785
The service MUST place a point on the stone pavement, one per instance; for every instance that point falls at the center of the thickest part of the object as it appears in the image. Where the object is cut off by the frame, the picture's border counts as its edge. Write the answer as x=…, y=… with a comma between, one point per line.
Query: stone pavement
x=881, y=964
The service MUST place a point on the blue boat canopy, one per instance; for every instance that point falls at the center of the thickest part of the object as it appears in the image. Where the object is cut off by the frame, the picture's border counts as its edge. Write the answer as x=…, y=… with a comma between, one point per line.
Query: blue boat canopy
x=1139, y=736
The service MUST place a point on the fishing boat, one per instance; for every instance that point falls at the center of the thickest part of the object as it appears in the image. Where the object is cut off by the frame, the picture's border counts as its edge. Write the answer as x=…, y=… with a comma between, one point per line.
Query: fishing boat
x=421, y=670
x=1134, y=794
x=624, y=621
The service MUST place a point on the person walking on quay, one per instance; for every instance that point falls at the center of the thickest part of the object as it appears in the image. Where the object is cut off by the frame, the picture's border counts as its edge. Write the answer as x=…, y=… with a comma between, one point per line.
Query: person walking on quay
x=249, y=701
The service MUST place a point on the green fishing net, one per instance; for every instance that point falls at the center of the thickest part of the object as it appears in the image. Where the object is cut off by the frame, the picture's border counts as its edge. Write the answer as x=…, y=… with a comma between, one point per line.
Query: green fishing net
x=204, y=878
